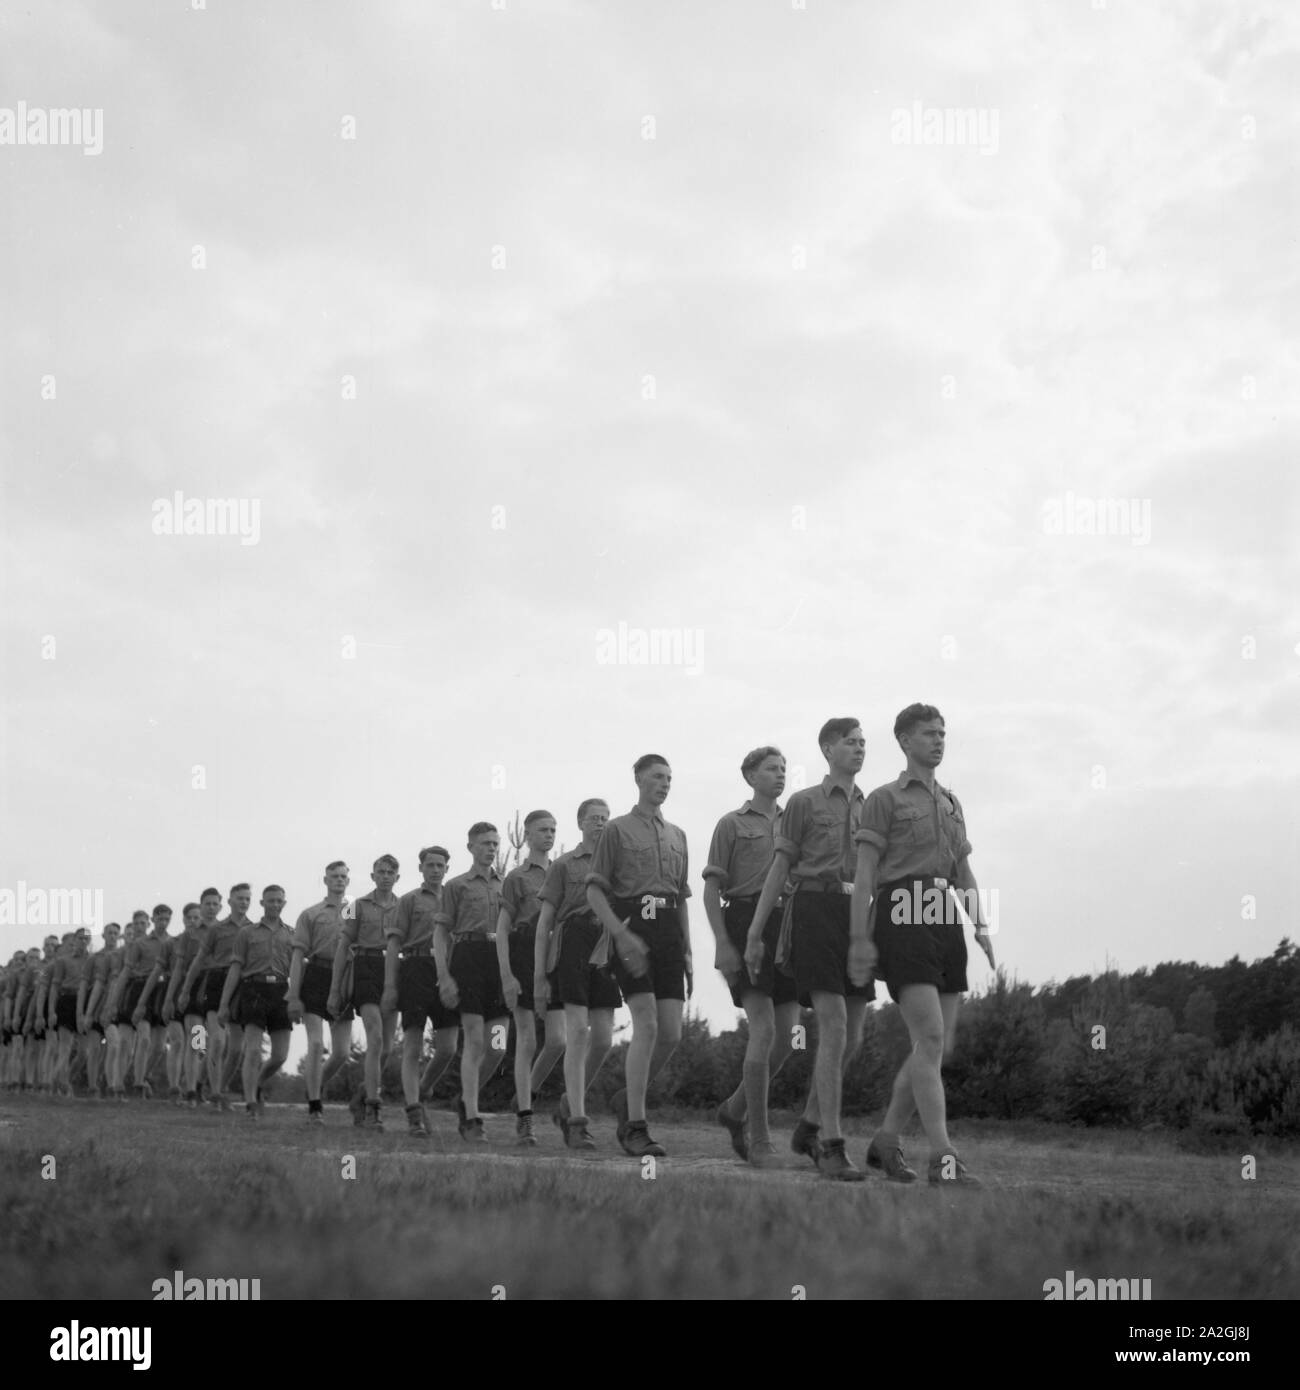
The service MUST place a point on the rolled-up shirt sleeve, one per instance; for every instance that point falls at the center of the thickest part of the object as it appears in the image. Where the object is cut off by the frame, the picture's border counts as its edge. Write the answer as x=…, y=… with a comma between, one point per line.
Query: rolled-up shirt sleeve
x=552, y=889
x=239, y=951
x=686, y=870
x=873, y=828
x=720, y=847
x=604, y=860
x=445, y=916
x=790, y=830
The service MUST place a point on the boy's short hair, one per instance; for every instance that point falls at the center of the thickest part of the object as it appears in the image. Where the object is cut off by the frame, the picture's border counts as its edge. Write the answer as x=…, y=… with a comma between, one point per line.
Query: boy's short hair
x=648, y=760
x=913, y=715
x=210, y=893
x=755, y=757
x=161, y=907
x=273, y=888
x=533, y=816
x=836, y=729
x=138, y=913
x=589, y=803
x=185, y=911
x=336, y=864
x=482, y=827
x=240, y=888
x=433, y=849
x=386, y=859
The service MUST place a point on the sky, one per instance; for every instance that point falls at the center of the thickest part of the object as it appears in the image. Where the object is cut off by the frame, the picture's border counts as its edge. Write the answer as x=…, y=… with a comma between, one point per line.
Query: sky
x=864, y=355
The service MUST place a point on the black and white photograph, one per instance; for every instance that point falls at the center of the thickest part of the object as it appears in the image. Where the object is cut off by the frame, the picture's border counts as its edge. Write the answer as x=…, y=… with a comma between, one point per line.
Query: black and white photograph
x=650, y=651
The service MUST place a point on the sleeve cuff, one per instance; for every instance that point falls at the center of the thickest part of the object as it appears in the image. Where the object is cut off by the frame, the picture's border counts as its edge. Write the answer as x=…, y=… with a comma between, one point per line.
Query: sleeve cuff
x=714, y=871
x=597, y=881
x=863, y=836
x=787, y=847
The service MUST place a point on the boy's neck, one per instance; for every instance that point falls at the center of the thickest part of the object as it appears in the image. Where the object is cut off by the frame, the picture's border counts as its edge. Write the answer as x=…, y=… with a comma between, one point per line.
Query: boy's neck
x=840, y=779
x=762, y=803
x=925, y=774
x=651, y=808
x=539, y=857
x=335, y=899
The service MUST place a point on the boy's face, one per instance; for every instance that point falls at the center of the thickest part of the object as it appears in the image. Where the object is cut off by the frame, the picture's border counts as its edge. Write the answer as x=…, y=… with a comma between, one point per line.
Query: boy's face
x=111, y=934
x=239, y=902
x=337, y=880
x=383, y=876
x=51, y=947
x=483, y=849
x=655, y=782
x=273, y=904
x=541, y=835
x=847, y=754
x=210, y=909
x=193, y=920
x=923, y=742
x=768, y=778
x=80, y=944
x=434, y=870
x=161, y=921
x=594, y=822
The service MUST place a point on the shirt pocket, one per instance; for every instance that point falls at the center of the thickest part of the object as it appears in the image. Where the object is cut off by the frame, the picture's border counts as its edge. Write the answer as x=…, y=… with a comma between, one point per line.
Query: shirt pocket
x=907, y=827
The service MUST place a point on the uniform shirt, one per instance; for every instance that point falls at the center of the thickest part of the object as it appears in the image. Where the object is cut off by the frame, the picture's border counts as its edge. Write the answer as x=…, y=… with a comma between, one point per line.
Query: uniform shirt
x=565, y=887
x=640, y=853
x=413, y=924
x=519, y=895
x=141, y=957
x=471, y=902
x=367, y=923
x=816, y=832
x=263, y=948
x=741, y=850
x=316, y=933
x=918, y=832
x=184, y=951
x=219, y=942
x=167, y=959
x=67, y=973
x=103, y=971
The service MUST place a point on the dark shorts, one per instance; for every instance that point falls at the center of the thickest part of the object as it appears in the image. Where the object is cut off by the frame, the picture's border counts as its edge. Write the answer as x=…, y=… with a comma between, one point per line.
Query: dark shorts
x=917, y=953
x=417, y=995
x=820, y=945
x=575, y=980
x=207, y=990
x=130, y=998
x=665, y=975
x=263, y=1004
x=474, y=967
x=314, y=990
x=65, y=1012
x=778, y=987
x=523, y=964
x=367, y=980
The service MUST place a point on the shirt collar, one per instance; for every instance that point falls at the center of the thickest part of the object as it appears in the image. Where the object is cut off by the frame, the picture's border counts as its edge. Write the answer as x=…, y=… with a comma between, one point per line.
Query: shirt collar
x=828, y=787
x=262, y=922
x=905, y=777
x=653, y=816
x=489, y=874
x=749, y=808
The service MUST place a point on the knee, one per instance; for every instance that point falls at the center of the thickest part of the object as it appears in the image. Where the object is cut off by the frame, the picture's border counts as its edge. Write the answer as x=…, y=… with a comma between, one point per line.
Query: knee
x=762, y=1038
x=929, y=1047
x=668, y=1035
x=832, y=1033
x=579, y=1034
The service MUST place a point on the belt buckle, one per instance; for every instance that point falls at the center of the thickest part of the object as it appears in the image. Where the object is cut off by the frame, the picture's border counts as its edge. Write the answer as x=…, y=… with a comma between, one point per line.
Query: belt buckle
x=846, y=887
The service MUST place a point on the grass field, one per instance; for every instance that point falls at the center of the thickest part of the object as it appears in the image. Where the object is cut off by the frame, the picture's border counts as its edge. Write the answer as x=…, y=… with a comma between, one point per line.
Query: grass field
x=141, y=1190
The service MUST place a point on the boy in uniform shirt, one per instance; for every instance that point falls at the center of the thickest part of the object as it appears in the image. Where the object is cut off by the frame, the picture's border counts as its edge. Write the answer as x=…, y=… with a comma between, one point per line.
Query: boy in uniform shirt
x=65, y=981
x=239, y=901
x=912, y=847
x=469, y=976
x=120, y=1035
x=315, y=940
x=182, y=1004
x=259, y=974
x=137, y=968
x=159, y=994
x=363, y=933
x=206, y=978
x=20, y=1018
x=148, y=1010
x=12, y=1040
x=568, y=934
x=637, y=888
x=39, y=1048
x=90, y=1022
x=739, y=857
x=516, y=949
x=814, y=850
x=411, y=984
